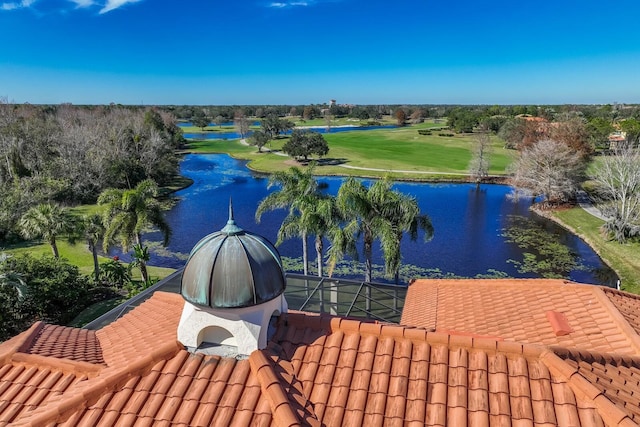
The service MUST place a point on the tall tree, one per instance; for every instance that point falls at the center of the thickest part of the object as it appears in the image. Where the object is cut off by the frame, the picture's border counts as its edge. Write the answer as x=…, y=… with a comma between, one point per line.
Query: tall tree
x=319, y=216
x=572, y=131
x=417, y=116
x=93, y=231
x=259, y=138
x=297, y=187
x=378, y=212
x=241, y=124
x=599, y=130
x=10, y=278
x=200, y=120
x=305, y=143
x=617, y=179
x=404, y=215
x=47, y=221
x=273, y=125
x=128, y=213
x=480, y=160
x=632, y=128
x=549, y=169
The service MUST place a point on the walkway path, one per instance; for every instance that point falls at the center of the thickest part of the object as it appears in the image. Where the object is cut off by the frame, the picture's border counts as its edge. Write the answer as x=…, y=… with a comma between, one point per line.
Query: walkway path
x=585, y=203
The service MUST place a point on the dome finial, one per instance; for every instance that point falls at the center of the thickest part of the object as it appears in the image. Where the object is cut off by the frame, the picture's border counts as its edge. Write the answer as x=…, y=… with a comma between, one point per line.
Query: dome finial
x=231, y=228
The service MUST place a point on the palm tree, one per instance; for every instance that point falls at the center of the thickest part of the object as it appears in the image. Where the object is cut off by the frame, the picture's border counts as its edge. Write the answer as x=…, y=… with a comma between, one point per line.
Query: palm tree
x=47, y=221
x=404, y=215
x=297, y=190
x=93, y=230
x=140, y=258
x=322, y=218
x=317, y=216
x=10, y=278
x=128, y=213
x=379, y=212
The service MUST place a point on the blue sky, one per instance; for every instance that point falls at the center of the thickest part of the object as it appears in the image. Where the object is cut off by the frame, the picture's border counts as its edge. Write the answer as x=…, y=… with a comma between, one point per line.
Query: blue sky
x=310, y=51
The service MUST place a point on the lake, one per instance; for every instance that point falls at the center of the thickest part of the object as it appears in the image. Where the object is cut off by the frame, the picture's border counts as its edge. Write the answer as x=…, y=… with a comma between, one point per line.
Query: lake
x=470, y=225
x=319, y=129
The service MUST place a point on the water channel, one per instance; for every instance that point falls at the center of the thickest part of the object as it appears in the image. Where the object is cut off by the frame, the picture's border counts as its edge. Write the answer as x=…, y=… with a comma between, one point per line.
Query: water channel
x=234, y=135
x=470, y=225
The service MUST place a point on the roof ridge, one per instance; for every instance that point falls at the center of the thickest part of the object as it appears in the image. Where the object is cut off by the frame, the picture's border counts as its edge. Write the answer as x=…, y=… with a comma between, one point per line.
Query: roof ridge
x=20, y=341
x=619, y=319
x=627, y=294
x=64, y=365
x=272, y=385
x=62, y=406
x=498, y=281
x=568, y=353
x=584, y=390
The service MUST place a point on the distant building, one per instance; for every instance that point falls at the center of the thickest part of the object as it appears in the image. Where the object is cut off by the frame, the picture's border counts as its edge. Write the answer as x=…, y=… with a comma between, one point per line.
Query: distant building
x=616, y=138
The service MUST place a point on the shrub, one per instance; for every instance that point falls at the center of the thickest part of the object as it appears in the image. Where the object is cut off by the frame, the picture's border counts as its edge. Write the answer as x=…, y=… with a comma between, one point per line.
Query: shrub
x=55, y=292
x=424, y=131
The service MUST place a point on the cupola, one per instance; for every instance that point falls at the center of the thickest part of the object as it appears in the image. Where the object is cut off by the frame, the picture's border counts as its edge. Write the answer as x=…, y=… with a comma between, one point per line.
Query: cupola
x=232, y=283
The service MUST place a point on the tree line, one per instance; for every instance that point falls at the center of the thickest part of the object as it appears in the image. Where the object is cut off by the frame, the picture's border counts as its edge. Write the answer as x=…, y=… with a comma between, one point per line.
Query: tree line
x=562, y=152
x=69, y=155
x=50, y=288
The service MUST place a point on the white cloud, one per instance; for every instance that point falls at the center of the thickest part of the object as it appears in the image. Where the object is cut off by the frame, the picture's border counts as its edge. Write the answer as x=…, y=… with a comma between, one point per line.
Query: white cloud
x=16, y=5
x=280, y=5
x=82, y=3
x=114, y=4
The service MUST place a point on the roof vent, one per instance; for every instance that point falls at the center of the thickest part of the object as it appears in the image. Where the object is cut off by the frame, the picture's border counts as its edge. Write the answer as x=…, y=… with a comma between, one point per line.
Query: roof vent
x=559, y=323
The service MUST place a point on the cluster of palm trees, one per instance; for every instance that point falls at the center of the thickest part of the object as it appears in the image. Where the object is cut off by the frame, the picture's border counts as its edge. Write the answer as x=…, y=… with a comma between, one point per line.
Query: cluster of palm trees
x=125, y=214
x=376, y=212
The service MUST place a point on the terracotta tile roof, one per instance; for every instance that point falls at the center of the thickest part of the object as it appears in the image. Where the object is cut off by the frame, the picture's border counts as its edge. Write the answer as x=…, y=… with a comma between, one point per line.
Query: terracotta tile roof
x=67, y=343
x=617, y=378
x=316, y=370
x=526, y=310
x=627, y=304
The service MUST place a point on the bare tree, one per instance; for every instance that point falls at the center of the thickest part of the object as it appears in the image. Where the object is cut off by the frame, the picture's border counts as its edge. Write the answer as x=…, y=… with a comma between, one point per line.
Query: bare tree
x=572, y=130
x=328, y=120
x=417, y=116
x=549, y=169
x=241, y=124
x=617, y=178
x=480, y=160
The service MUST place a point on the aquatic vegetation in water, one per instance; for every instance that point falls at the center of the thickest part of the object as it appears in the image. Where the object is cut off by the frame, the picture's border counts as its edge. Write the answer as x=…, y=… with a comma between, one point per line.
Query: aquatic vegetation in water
x=544, y=253
x=157, y=249
x=354, y=270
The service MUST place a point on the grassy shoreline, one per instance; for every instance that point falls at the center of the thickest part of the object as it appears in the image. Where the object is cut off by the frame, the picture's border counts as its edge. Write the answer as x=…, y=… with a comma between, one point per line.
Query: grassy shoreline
x=622, y=258
x=402, y=153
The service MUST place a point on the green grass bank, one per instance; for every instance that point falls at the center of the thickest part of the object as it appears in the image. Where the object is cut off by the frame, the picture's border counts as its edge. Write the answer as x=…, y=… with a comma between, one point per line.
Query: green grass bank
x=624, y=259
x=402, y=153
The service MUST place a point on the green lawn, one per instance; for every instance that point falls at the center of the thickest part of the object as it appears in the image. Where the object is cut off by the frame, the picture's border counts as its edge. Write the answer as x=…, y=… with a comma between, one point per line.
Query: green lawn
x=401, y=149
x=77, y=254
x=623, y=258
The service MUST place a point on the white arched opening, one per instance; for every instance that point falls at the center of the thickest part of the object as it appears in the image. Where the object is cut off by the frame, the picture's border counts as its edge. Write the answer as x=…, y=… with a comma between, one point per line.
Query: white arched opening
x=217, y=335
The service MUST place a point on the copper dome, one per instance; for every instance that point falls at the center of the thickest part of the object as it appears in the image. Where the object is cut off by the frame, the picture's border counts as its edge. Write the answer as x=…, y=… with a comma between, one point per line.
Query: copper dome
x=232, y=268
